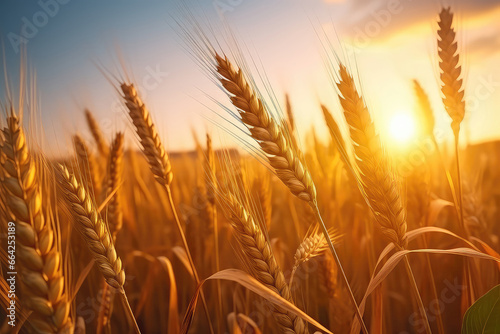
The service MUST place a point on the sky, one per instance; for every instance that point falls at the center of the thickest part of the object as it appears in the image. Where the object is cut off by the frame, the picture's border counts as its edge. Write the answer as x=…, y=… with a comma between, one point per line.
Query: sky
x=73, y=48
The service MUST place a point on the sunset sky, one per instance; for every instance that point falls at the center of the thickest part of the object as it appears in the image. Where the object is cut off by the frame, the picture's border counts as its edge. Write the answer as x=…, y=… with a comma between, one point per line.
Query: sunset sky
x=394, y=42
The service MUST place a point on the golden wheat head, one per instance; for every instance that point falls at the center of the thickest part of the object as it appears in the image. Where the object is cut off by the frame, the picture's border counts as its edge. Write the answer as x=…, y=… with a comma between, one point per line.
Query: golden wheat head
x=377, y=181
x=150, y=140
x=267, y=132
x=43, y=282
x=93, y=229
x=451, y=83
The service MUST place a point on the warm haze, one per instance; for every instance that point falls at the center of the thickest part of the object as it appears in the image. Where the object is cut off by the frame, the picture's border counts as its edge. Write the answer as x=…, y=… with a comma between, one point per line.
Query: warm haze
x=83, y=34
x=238, y=166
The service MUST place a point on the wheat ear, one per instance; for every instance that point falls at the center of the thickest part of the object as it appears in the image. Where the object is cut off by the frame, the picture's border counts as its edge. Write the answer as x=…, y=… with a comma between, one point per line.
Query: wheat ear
x=261, y=261
x=96, y=234
x=159, y=164
x=115, y=220
x=150, y=140
x=37, y=243
x=281, y=151
x=265, y=130
x=93, y=229
x=88, y=166
x=424, y=110
x=115, y=172
x=313, y=245
x=378, y=183
x=211, y=189
x=96, y=131
x=451, y=83
x=264, y=191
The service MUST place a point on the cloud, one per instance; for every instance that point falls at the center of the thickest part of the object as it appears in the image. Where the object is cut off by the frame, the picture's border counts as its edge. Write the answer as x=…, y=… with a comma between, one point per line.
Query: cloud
x=383, y=18
x=485, y=45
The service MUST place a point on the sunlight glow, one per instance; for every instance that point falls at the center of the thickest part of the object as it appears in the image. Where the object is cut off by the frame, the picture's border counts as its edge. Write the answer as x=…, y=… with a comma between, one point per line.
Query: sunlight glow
x=402, y=127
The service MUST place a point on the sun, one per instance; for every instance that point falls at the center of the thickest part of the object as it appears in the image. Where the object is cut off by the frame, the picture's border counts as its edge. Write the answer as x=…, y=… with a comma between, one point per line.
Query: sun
x=402, y=127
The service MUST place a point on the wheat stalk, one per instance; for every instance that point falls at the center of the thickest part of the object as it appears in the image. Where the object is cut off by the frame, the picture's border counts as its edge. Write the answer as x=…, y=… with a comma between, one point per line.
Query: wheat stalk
x=451, y=83
x=377, y=182
x=93, y=229
x=96, y=131
x=453, y=100
x=425, y=110
x=114, y=218
x=261, y=261
x=42, y=276
x=149, y=138
x=328, y=276
x=115, y=172
x=88, y=166
x=211, y=189
x=96, y=234
x=313, y=245
x=379, y=186
x=264, y=129
x=159, y=164
x=264, y=191
x=276, y=142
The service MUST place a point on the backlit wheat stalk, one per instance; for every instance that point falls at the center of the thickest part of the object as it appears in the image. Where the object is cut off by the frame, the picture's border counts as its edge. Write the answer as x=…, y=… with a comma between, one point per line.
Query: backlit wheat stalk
x=451, y=82
x=44, y=289
x=424, y=110
x=377, y=181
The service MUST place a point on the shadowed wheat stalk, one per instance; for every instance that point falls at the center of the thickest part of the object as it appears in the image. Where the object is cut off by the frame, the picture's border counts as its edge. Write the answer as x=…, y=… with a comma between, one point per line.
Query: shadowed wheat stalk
x=44, y=287
x=264, y=193
x=211, y=189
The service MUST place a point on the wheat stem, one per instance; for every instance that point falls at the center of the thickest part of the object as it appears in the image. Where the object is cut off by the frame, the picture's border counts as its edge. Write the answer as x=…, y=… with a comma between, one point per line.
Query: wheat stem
x=324, y=230
x=128, y=311
x=188, y=253
x=417, y=294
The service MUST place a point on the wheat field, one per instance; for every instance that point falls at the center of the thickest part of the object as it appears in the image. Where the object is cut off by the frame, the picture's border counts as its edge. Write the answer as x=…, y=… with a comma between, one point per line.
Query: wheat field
x=281, y=235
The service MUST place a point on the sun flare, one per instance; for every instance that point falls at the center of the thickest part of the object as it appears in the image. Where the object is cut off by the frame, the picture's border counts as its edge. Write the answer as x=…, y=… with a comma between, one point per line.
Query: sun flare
x=402, y=127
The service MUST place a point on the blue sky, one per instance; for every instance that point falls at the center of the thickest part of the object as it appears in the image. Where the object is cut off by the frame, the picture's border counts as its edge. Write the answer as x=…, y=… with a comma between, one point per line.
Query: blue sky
x=279, y=34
